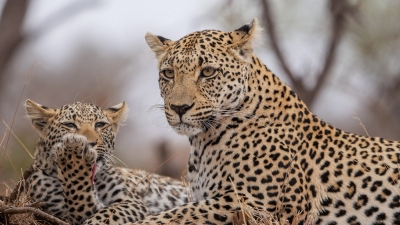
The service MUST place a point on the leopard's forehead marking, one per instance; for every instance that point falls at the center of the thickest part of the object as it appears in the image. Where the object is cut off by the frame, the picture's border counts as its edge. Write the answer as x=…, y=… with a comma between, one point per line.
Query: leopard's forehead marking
x=196, y=49
x=184, y=55
x=200, y=40
x=187, y=44
x=81, y=112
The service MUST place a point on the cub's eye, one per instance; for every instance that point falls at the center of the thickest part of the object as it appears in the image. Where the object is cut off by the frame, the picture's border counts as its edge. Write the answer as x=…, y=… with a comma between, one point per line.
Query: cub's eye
x=70, y=125
x=168, y=73
x=208, y=72
x=100, y=124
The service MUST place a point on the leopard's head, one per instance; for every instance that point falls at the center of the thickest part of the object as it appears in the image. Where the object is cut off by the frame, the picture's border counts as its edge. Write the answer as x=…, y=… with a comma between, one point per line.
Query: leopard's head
x=203, y=76
x=99, y=126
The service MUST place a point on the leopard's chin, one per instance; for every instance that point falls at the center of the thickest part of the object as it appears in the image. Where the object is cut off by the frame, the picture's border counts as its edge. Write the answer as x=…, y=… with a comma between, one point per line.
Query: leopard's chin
x=186, y=129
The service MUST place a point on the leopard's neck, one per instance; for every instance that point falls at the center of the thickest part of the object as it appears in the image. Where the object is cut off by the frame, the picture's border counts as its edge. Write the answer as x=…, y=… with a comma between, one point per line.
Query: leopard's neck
x=274, y=111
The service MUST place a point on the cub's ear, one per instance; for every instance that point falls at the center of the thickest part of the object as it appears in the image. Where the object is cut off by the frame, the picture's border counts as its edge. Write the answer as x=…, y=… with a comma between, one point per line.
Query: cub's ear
x=39, y=115
x=242, y=38
x=158, y=44
x=117, y=114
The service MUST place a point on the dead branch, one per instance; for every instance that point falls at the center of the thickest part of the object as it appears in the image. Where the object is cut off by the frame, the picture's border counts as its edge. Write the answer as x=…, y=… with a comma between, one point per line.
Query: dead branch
x=270, y=25
x=339, y=10
x=37, y=212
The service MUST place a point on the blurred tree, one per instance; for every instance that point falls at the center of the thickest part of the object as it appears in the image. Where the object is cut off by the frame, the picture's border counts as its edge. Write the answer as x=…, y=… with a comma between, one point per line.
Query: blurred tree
x=339, y=10
x=12, y=36
x=11, y=22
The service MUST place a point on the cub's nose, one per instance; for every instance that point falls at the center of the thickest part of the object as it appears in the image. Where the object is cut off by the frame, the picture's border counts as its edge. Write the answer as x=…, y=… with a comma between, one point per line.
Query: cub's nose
x=181, y=109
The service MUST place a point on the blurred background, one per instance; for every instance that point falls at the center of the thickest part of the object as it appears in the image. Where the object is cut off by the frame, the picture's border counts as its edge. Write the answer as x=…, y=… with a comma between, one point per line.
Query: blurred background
x=341, y=56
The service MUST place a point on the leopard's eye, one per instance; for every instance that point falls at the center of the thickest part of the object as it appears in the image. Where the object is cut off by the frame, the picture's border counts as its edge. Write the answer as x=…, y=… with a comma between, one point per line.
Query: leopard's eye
x=70, y=125
x=168, y=73
x=208, y=72
x=100, y=124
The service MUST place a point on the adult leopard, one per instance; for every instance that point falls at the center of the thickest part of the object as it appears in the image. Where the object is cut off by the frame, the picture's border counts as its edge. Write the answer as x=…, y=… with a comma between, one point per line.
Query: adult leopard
x=255, y=143
x=74, y=177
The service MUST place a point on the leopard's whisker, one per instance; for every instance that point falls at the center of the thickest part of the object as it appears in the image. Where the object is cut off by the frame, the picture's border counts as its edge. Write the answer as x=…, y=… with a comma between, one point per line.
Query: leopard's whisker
x=119, y=160
x=157, y=106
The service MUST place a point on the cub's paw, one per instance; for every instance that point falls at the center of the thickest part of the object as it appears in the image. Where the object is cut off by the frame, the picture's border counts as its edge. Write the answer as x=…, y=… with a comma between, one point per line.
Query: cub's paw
x=77, y=146
x=74, y=156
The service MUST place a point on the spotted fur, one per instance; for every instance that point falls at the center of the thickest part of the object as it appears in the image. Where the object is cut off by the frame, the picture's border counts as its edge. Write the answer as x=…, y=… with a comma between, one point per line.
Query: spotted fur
x=73, y=139
x=254, y=142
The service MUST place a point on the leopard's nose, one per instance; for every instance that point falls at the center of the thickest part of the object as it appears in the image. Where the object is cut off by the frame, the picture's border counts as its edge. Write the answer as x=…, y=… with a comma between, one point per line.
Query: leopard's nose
x=181, y=109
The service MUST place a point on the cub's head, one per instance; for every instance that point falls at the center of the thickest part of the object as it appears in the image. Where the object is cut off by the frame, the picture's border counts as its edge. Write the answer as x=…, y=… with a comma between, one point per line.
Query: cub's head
x=203, y=76
x=97, y=125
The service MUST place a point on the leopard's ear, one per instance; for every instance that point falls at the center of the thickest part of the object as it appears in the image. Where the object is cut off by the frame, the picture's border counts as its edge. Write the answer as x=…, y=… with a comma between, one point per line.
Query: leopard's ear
x=158, y=44
x=242, y=40
x=117, y=115
x=39, y=115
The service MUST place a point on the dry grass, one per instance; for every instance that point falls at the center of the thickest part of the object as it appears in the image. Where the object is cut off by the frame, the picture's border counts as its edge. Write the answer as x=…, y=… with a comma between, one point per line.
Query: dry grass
x=16, y=209
x=9, y=215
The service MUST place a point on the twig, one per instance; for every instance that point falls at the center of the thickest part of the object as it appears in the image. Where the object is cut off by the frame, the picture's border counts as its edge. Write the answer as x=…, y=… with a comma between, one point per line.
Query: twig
x=47, y=217
x=16, y=137
x=359, y=120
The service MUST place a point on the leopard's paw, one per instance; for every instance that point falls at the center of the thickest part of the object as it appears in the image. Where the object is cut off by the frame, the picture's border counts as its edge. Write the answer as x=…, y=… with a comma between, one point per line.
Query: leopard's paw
x=75, y=144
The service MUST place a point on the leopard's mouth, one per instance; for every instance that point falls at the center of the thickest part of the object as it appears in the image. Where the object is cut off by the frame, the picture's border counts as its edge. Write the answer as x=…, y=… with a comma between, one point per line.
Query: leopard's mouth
x=96, y=167
x=101, y=160
x=186, y=129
